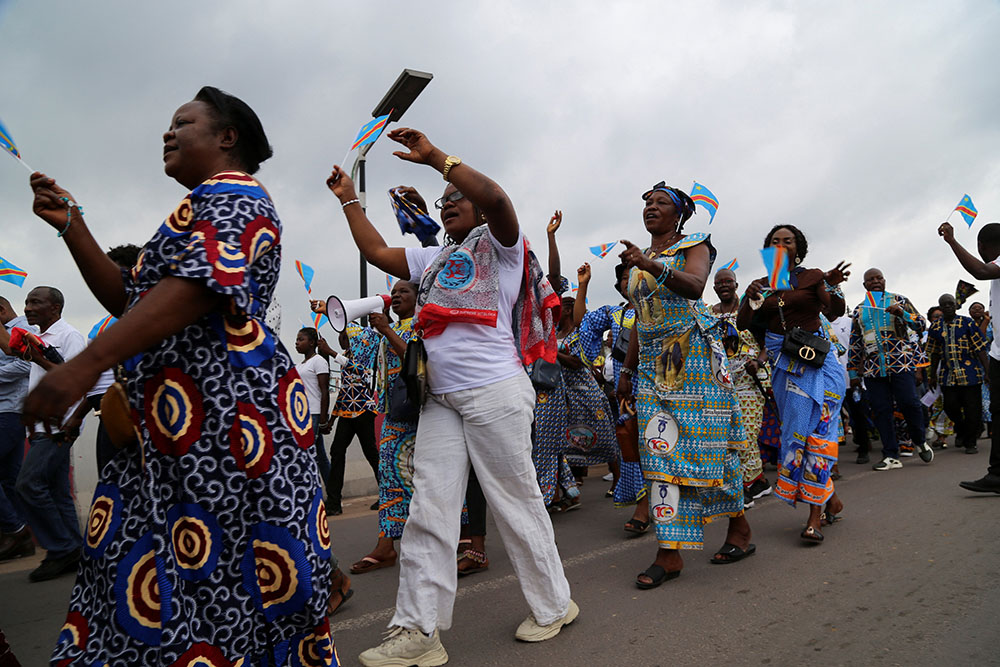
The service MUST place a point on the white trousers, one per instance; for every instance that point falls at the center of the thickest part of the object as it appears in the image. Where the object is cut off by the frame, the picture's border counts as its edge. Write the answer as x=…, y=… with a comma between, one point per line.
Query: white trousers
x=489, y=427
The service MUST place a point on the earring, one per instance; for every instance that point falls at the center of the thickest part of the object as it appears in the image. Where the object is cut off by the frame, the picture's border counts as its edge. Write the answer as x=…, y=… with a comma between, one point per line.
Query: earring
x=798, y=260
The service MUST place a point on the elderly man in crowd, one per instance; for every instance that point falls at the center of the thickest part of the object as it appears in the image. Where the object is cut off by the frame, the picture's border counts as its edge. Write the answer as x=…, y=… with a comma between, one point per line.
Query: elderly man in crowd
x=15, y=537
x=886, y=356
x=43, y=483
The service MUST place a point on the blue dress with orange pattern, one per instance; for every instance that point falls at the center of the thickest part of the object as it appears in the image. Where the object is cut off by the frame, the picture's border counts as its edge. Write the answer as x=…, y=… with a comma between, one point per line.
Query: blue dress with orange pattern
x=208, y=543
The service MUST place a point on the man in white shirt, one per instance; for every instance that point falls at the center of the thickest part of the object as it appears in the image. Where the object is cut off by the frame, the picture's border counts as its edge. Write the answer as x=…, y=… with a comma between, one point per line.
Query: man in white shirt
x=987, y=268
x=43, y=483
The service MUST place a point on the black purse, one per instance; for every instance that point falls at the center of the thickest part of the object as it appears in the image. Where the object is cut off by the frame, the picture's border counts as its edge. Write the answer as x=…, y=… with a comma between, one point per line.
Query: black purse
x=620, y=349
x=545, y=375
x=801, y=345
x=413, y=374
x=401, y=408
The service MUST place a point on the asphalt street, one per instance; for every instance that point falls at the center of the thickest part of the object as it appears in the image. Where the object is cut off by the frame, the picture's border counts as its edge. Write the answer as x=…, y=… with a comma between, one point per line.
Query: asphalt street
x=910, y=576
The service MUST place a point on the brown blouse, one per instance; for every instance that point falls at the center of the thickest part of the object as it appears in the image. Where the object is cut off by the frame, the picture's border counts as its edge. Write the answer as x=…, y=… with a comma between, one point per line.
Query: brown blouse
x=801, y=305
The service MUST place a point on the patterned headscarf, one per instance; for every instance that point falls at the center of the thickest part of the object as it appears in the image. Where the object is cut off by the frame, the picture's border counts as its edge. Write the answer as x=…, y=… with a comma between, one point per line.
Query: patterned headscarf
x=682, y=202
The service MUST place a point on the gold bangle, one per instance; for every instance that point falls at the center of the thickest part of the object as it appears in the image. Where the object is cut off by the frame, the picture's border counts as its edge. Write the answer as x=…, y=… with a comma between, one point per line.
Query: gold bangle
x=449, y=162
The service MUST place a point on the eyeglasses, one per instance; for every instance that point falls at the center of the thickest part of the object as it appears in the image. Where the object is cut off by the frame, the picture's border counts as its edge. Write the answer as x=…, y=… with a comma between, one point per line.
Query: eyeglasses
x=453, y=197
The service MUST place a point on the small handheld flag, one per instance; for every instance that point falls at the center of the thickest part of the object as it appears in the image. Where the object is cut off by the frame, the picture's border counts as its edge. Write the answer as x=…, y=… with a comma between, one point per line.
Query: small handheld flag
x=967, y=209
x=602, y=250
x=732, y=266
x=776, y=264
x=388, y=282
x=101, y=326
x=412, y=219
x=703, y=197
x=371, y=131
x=306, y=273
x=874, y=299
x=11, y=273
x=7, y=143
x=963, y=291
x=318, y=320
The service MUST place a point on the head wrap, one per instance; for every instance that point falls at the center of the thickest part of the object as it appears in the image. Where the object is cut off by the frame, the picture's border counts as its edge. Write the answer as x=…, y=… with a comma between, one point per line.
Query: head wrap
x=682, y=202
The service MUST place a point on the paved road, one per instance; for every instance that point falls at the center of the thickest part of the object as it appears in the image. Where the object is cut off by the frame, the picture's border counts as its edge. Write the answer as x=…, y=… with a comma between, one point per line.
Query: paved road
x=911, y=576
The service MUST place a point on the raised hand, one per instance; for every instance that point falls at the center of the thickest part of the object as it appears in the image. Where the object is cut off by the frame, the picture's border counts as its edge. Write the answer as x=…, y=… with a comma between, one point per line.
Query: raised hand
x=755, y=288
x=583, y=274
x=554, y=223
x=341, y=185
x=379, y=322
x=420, y=149
x=633, y=256
x=50, y=200
x=317, y=306
x=947, y=232
x=411, y=195
x=837, y=274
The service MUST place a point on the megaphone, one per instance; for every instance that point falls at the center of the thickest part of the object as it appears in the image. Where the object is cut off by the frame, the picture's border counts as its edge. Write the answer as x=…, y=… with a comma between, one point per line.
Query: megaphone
x=341, y=312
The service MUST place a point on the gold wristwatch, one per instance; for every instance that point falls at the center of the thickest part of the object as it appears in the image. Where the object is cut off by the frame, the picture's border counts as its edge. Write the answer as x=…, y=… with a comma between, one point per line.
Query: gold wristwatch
x=449, y=162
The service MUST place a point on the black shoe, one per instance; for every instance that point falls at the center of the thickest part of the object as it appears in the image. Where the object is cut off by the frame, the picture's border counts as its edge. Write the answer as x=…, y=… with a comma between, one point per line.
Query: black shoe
x=760, y=488
x=987, y=484
x=374, y=506
x=862, y=458
x=17, y=544
x=54, y=567
x=972, y=450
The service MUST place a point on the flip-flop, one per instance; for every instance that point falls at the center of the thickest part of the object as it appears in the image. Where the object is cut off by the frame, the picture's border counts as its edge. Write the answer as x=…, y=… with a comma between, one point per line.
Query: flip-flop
x=368, y=564
x=636, y=527
x=731, y=553
x=477, y=557
x=810, y=534
x=657, y=576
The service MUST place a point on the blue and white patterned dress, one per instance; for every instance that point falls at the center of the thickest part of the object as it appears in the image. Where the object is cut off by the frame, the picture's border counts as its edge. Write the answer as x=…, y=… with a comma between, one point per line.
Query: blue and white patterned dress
x=208, y=543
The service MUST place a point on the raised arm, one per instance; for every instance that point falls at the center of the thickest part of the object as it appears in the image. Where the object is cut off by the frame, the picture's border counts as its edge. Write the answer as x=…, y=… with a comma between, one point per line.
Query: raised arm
x=580, y=306
x=366, y=237
x=57, y=207
x=976, y=267
x=555, y=265
x=477, y=188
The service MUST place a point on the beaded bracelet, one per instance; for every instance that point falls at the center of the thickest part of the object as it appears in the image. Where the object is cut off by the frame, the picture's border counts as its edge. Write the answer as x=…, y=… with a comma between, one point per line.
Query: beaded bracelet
x=70, y=205
x=833, y=289
x=348, y=203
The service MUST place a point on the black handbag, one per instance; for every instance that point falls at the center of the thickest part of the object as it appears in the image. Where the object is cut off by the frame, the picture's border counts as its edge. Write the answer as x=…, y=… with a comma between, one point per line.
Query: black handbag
x=620, y=349
x=801, y=345
x=413, y=373
x=401, y=408
x=545, y=375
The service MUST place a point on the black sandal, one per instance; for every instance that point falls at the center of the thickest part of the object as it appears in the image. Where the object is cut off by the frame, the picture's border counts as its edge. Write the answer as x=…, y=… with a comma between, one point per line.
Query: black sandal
x=657, y=576
x=731, y=553
x=636, y=527
x=810, y=534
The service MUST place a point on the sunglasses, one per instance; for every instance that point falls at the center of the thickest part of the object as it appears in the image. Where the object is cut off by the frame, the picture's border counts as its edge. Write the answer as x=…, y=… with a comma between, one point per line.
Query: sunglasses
x=453, y=197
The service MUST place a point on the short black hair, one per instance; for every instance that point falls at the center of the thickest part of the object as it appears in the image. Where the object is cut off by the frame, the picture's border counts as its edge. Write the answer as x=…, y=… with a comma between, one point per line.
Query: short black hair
x=311, y=333
x=620, y=270
x=931, y=310
x=230, y=111
x=989, y=234
x=55, y=296
x=125, y=255
x=801, y=245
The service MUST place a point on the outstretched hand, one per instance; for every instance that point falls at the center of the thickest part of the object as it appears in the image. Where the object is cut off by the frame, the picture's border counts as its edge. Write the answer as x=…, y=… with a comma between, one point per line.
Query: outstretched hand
x=837, y=274
x=420, y=148
x=633, y=256
x=583, y=274
x=50, y=200
x=554, y=223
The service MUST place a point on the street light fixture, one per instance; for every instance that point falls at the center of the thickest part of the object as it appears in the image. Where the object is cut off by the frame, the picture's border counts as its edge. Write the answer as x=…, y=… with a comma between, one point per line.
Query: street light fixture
x=408, y=85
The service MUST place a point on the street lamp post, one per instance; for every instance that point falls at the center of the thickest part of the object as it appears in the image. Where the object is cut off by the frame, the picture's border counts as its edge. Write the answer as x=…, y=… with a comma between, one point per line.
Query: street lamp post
x=408, y=85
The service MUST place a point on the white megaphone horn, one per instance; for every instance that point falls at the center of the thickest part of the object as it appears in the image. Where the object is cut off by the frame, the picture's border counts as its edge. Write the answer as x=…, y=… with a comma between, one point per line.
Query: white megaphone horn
x=341, y=312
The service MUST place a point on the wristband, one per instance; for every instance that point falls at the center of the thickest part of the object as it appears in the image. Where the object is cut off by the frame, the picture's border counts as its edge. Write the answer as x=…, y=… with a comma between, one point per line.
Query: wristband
x=348, y=203
x=628, y=371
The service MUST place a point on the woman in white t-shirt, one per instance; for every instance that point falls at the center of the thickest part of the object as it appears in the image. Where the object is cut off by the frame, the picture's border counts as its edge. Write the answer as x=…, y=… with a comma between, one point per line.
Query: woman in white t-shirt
x=484, y=310
x=315, y=373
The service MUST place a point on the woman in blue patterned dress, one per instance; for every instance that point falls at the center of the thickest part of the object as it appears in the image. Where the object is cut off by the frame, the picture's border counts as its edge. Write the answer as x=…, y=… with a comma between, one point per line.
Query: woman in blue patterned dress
x=207, y=541
x=395, y=448
x=689, y=421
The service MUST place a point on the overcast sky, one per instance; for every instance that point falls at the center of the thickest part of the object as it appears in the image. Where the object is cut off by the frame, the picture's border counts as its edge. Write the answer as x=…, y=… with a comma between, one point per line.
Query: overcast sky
x=863, y=123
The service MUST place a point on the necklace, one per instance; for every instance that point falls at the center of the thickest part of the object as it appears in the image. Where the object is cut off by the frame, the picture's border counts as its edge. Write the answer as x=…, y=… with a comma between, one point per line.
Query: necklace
x=654, y=251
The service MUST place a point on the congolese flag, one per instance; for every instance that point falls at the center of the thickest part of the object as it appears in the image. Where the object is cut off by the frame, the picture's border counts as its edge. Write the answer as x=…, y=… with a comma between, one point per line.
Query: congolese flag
x=967, y=209
x=11, y=273
x=101, y=326
x=732, y=266
x=602, y=250
x=371, y=130
x=776, y=264
x=306, y=273
x=703, y=197
x=7, y=142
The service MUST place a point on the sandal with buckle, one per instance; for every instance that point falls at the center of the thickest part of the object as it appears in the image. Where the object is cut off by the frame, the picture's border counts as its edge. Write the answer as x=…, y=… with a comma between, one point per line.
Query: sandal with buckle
x=478, y=558
x=810, y=534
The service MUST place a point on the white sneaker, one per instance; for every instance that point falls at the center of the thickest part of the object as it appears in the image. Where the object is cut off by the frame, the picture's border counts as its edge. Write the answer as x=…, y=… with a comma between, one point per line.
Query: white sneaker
x=888, y=463
x=402, y=648
x=609, y=477
x=926, y=453
x=531, y=631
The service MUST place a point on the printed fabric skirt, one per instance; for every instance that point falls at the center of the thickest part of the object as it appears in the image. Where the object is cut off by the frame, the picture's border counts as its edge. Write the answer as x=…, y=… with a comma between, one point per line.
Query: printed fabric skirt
x=395, y=470
x=548, y=446
x=690, y=429
x=808, y=401
x=590, y=435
